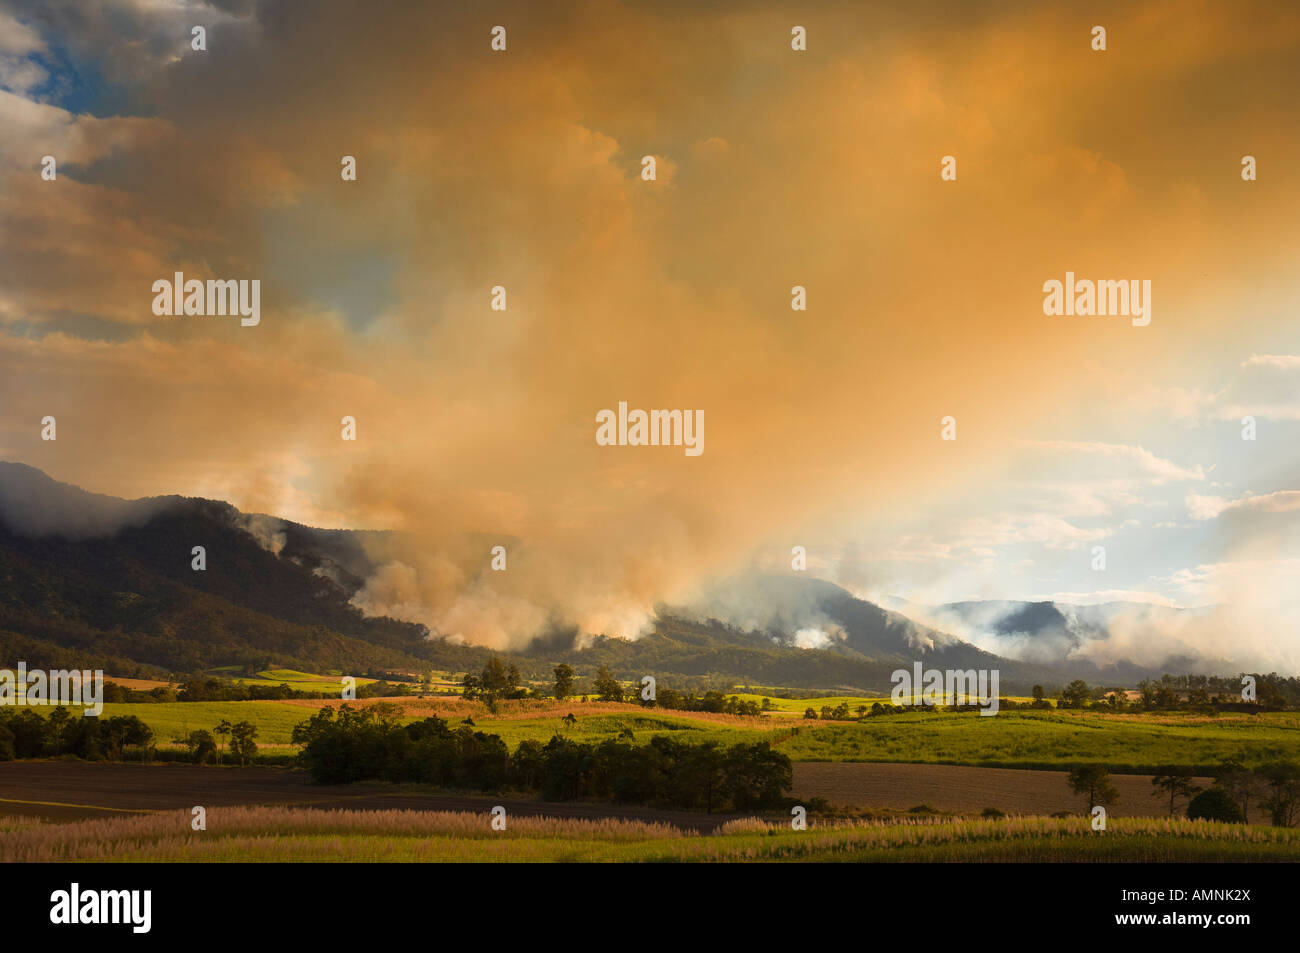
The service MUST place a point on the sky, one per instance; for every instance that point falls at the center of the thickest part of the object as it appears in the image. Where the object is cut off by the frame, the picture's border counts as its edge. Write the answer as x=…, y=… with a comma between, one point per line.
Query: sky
x=820, y=168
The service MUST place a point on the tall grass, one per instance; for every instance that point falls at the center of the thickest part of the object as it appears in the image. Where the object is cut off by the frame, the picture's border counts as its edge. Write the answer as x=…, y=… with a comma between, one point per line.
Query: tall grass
x=170, y=831
x=295, y=834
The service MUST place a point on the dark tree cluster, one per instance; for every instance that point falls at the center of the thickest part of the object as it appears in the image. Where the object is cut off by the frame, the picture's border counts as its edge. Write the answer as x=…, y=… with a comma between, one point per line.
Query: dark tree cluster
x=497, y=681
x=25, y=734
x=712, y=701
x=227, y=690
x=371, y=744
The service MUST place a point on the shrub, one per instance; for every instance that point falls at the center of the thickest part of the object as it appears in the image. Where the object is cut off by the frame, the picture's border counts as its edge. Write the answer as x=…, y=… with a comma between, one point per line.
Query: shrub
x=1215, y=804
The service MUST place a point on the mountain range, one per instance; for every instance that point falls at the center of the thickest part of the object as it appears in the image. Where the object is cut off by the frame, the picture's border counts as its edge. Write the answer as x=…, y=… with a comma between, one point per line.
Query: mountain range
x=96, y=581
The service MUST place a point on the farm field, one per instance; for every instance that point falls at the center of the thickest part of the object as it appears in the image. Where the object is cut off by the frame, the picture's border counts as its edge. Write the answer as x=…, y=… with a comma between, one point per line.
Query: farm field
x=514, y=722
x=1044, y=739
x=963, y=790
x=301, y=681
x=1026, y=739
x=327, y=682
x=285, y=834
x=74, y=790
x=62, y=790
x=797, y=706
x=175, y=720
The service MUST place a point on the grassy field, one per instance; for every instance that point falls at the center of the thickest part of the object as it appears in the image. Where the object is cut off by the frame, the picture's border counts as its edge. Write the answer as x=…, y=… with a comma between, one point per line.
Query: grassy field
x=172, y=720
x=596, y=721
x=1038, y=739
x=299, y=681
x=292, y=834
x=328, y=683
x=1054, y=739
x=797, y=706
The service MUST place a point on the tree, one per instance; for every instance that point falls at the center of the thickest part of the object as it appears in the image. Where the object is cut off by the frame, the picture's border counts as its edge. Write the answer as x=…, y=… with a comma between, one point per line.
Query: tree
x=1283, y=801
x=607, y=686
x=241, y=741
x=200, y=745
x=123, y=730
x=1239, y=781
x=563, y=681
x=59, y=719
x=1166, y=695
x=222, y=730
x=470, y=686
x=1039, y=694
x=1093, y=781
x=495, y=682
x=1076, y=694
x=700, y=774
x=1176, y=783
x=1148, y=689
x=1215, y=804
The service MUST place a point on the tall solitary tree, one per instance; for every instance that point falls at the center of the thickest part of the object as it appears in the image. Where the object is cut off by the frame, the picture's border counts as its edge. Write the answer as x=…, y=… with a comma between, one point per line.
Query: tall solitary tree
x=563, y=681
x=1283, y=800
x=222, y=730
x=1175, y=783
x=1239, y=781
x=241, y=741
x=1093, y=782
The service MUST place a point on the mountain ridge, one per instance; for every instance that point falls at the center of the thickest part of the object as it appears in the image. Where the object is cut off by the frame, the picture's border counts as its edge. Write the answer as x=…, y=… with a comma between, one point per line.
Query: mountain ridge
x=94, y=575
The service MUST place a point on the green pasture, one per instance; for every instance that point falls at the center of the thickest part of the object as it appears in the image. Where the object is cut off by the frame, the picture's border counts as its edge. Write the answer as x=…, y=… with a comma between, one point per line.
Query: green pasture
x=1052, y=739
x=1037, y=739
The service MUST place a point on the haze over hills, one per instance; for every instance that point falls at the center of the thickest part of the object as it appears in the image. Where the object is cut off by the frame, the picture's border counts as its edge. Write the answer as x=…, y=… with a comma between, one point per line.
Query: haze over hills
x=93, y=580
x=1120, y=641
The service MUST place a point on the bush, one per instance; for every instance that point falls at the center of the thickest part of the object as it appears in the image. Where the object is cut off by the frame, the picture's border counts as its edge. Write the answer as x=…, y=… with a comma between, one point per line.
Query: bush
x=1215, y=804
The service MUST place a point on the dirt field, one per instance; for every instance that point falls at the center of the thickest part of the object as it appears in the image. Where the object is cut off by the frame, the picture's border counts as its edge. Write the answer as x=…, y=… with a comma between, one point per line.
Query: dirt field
x=139, y=684
x=70, y=790
x=954, y=788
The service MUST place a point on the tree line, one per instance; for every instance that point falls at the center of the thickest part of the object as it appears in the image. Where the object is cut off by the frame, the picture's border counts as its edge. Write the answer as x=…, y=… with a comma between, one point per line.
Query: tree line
x=348, y=744
x=1275, y=786
x=26, y=734
x=498, y=681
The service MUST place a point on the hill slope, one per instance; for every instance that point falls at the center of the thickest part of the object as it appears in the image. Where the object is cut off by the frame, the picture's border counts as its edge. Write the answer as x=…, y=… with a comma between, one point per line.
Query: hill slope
x=92, y=580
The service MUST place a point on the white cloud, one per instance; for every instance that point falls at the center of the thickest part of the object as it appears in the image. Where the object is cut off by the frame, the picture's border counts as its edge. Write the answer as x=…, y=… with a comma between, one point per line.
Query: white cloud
x=1211, y=507
x=1141, y=460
